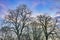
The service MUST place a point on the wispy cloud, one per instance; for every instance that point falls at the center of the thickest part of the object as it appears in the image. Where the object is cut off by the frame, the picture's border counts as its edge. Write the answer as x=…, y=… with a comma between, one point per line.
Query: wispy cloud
x=38, y=2
x=3, y=10
x=55, y=4
x=2, y=5
x=35, y=3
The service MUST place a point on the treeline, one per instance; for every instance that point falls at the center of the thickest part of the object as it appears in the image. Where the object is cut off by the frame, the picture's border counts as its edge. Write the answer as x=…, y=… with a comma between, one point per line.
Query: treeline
x=19, y=24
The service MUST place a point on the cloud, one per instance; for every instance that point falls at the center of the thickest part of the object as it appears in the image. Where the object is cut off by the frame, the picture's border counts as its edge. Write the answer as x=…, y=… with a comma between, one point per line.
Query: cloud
x=2, y=5
x=3, y=10
x=35, y=3
x=58, y=13
x=57, y=0
x=55, y=4
x=38, y=2
x=3, y=13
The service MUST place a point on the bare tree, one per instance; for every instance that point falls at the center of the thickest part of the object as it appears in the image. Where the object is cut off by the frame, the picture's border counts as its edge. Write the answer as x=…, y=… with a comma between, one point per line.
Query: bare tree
x=18, y=19
x=47, y=23
x=6, y=33
x=36, y=29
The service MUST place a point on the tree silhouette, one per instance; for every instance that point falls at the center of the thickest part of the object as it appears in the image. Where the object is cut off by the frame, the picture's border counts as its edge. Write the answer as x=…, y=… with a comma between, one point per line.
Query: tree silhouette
x=18, y=19
x=47, y=23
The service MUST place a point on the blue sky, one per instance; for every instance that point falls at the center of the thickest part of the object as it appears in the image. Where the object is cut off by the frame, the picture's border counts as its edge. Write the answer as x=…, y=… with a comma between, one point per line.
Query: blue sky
x=37, y=6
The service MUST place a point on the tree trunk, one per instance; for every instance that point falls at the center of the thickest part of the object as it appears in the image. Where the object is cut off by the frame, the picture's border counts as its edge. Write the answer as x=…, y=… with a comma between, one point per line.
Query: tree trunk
x=46, y=37
x=18, y=37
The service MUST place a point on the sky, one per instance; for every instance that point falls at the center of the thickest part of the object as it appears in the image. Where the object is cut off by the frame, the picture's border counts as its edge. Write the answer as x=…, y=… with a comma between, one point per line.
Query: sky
x=49, y=7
